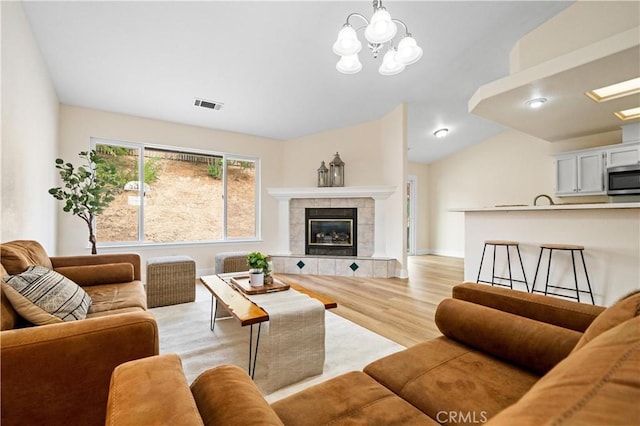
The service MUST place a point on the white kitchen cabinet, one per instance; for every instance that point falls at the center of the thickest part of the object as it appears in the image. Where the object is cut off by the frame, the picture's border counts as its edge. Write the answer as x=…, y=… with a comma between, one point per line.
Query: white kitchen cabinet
x=580, y=173
x=566, y=175
x=623, y=155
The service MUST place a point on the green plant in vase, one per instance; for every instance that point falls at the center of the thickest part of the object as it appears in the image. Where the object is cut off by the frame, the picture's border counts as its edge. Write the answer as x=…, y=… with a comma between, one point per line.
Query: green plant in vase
x=258, y=267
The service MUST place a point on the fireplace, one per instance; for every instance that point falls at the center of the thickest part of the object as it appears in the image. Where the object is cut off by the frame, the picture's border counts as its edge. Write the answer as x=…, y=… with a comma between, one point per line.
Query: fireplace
x=331, y=231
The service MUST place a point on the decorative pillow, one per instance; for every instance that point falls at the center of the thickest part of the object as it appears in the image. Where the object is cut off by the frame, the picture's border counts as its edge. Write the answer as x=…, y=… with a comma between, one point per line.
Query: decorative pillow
x=42, y=296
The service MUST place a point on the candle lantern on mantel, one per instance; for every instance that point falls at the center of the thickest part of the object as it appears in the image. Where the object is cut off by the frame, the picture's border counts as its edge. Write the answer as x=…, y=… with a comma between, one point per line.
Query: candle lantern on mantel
x=323, y=175
x=336, y=171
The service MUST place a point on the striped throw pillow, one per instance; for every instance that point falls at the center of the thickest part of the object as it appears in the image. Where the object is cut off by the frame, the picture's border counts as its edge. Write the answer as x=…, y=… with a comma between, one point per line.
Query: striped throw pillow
x=42, y=296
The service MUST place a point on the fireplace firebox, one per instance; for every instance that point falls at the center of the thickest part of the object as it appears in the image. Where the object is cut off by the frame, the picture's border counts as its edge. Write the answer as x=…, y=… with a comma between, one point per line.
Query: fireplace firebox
x=331, y=231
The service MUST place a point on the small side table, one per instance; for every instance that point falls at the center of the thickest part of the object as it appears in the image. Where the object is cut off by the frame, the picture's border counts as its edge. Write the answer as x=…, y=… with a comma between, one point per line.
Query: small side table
x=170, y=280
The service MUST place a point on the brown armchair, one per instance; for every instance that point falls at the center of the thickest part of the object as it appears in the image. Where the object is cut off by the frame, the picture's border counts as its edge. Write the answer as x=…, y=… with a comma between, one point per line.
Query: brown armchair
x=59, y=373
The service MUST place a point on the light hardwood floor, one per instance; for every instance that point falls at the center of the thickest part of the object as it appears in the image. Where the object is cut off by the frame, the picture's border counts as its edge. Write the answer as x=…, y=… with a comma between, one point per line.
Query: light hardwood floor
x=402, y=310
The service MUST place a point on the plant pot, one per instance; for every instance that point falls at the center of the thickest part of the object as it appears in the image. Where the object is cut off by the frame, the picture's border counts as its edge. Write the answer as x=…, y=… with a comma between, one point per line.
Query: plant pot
x=256, y=279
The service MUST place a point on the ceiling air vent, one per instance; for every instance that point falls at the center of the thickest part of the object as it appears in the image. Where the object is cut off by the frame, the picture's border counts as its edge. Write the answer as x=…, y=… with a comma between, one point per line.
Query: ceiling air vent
x=208, y=104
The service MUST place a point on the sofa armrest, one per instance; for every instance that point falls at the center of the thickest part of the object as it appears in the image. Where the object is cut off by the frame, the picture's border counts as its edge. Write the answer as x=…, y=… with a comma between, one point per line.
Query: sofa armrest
x=59, y=373
x=226, y=395
x=563, y=313
x=99, y=259
x=152, y=391
x=109, y=273
x=530, y=344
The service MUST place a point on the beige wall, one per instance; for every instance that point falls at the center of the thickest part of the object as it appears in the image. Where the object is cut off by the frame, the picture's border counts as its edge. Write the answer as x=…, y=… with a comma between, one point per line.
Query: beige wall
x=29, y=134
x=583, y=23
x=374, y=154
x=359, y=148
x=510, y=168
x=78, y=125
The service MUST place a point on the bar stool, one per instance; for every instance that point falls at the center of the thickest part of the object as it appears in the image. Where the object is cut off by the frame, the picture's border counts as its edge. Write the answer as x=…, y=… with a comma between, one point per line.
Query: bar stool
x=572, y=249
x=506, y=245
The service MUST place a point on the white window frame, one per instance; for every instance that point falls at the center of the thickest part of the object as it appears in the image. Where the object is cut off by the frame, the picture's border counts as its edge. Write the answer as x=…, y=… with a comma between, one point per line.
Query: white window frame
x=141, y=146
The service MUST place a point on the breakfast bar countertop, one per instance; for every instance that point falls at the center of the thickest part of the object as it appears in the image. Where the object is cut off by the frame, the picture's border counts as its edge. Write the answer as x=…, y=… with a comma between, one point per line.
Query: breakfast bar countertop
x=607, y=231
x=567, y=206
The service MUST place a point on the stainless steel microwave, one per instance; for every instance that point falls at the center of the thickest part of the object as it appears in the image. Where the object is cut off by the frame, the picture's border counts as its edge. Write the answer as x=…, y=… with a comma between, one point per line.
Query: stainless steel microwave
x=623, y=180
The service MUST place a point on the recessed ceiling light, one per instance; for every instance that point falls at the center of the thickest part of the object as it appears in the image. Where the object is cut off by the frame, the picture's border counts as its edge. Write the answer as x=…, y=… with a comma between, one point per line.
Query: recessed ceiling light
x=628, y=114
x=618, y=90
x=536, y=103
x=441, y=133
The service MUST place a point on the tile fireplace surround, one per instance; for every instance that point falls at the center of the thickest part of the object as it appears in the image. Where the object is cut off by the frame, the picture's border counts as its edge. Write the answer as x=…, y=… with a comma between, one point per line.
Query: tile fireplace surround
x=371, y=260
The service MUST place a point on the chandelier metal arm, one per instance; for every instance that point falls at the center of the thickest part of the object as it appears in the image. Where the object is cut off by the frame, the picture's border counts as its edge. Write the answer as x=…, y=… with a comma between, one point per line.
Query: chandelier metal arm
x=382, y=28
x=406, y=30
x=359, y=16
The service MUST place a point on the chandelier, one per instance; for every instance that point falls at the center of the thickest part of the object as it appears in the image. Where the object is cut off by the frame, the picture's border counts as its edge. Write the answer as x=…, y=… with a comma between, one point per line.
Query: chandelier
x=379, y=30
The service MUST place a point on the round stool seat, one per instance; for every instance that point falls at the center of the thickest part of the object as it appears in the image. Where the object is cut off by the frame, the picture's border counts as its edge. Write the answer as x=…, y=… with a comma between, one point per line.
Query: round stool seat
x=562, y=246
x=501, y=243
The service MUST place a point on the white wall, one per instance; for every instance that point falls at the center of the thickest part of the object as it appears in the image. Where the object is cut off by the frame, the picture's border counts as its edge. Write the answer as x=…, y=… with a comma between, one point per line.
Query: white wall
x=78, y=125
x=29, y=134
x=610, y=238
x=393, y=151
x=421, y=172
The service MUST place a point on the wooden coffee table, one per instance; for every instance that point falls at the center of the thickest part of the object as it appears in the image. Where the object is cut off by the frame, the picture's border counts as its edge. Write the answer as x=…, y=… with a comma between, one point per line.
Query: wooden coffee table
x=244, y=310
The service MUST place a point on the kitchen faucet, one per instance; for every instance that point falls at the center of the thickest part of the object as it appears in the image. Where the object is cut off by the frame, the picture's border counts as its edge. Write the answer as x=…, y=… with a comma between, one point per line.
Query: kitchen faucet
x=535, y=200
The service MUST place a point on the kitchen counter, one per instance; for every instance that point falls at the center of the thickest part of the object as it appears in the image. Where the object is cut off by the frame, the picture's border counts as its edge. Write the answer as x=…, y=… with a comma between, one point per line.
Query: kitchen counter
x=609, y=232
x=567, y=206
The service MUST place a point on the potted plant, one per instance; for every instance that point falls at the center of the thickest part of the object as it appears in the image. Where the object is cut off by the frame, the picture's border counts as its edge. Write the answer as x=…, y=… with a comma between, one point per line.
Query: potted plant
x=87, y=190
x=258, y=265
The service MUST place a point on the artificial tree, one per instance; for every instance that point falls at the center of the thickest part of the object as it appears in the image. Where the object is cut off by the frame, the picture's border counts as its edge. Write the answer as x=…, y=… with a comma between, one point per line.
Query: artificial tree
x=87, y=190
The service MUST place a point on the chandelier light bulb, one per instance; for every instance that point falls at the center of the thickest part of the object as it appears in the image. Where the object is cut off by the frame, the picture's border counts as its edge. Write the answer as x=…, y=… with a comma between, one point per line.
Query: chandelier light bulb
x=380, y=33
x=381, y=28
x=389, y=64
x=349, y=64
x=347, y=42
x=408, y=51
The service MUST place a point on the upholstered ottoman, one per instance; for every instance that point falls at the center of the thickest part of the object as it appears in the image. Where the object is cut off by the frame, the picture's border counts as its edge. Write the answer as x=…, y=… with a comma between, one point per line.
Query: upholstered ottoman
x=234, y=261
x=170, y=280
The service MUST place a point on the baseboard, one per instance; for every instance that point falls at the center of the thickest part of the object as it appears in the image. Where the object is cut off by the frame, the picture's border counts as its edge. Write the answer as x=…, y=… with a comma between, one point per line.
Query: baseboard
x=447, y=253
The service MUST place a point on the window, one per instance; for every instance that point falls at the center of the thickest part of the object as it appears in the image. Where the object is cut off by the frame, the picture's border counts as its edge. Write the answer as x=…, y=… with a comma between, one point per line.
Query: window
x=166, y=195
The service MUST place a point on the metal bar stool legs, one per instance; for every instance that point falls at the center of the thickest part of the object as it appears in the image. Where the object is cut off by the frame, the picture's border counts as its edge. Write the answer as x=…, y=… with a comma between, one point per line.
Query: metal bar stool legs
x=522, y=267
x=507, y=245
x=547, y=286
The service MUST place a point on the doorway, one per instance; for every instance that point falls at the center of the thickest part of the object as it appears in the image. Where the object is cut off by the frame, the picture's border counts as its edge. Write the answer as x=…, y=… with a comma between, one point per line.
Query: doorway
x=411, y=198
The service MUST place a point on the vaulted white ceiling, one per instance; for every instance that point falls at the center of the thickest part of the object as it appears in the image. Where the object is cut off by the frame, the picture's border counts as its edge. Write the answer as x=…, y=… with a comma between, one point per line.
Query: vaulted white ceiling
x=272, y=66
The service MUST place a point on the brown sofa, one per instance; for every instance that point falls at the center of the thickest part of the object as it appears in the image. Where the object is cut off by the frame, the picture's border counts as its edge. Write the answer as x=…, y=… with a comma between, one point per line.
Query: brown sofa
x=505, y=358
x=58, y=374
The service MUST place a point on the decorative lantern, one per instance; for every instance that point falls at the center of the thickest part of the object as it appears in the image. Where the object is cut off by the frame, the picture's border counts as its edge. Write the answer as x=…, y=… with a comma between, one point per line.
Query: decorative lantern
x=336, y=171
x=323, y=175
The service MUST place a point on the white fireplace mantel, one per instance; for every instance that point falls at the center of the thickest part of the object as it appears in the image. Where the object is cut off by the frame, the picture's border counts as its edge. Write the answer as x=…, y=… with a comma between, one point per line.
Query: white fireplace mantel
x=378, y=193
x=375, y=192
